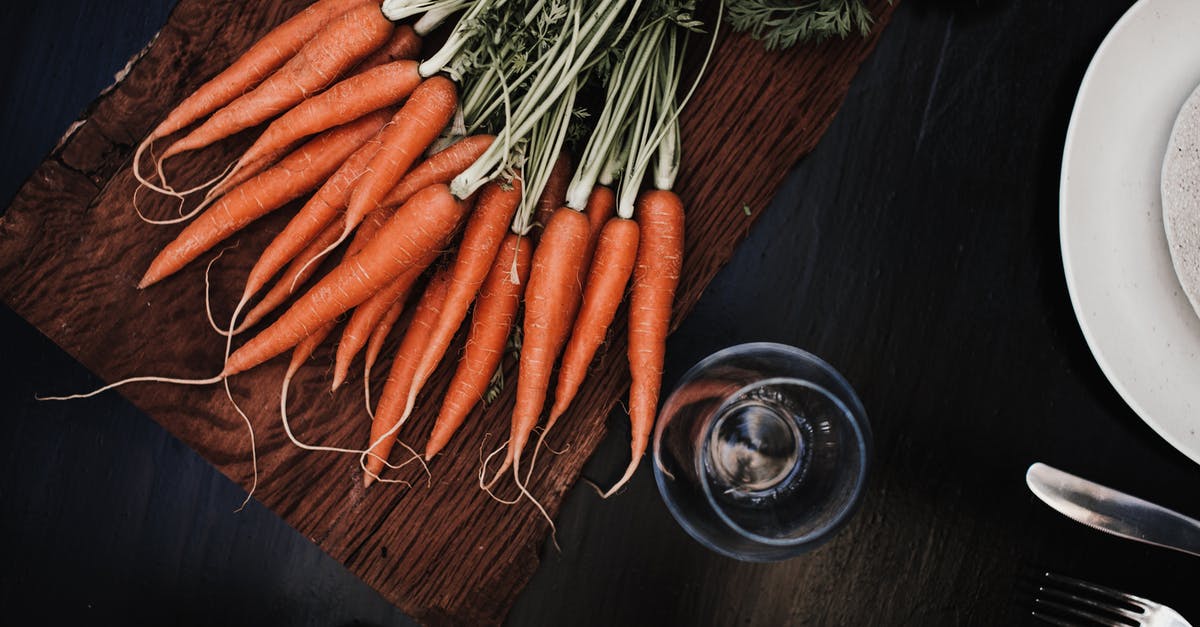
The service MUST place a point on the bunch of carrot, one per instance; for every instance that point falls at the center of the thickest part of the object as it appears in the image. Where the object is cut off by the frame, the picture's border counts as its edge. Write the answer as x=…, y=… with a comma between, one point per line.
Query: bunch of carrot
x=401, y=161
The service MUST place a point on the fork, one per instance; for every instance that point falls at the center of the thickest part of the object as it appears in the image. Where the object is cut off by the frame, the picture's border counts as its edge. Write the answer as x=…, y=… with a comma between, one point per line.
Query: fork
x=1097, y=605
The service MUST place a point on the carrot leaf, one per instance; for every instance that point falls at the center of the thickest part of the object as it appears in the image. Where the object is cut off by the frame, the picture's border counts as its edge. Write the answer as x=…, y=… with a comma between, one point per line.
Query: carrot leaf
x=781, y=24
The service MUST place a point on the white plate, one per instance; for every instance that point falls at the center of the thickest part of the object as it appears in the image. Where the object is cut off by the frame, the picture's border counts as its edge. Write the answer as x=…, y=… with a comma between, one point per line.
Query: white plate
x=1134, y=315
x=1181, y=197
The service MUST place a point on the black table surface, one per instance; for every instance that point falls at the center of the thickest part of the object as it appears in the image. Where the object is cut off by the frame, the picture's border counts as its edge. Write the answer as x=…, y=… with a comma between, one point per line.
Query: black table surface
x=916, y=250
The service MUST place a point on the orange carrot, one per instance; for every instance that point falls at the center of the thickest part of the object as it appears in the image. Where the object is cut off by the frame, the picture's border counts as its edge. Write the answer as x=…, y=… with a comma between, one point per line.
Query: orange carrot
x=611, y=267
x=304, y=265
x=600, y=208
x=264, y=57
x=299, y=271
x=306, y=348
x=441, y=167
x=404, y=43
x=232, y=178
x=318, y=213
x=379, y=335
x=426, y=222
x=339, y=45
x=367, y=315
x=412, y=129
x=376, y=88
x=655, y=277
x=369, y=227
x=298, y=173
x=554, y=194
x=481, y=241
x=553, y=293
x=388, y=418
x=491, y=323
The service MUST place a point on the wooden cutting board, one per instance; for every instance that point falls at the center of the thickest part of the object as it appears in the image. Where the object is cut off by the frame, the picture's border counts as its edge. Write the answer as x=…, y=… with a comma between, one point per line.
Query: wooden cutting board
x=72, y=250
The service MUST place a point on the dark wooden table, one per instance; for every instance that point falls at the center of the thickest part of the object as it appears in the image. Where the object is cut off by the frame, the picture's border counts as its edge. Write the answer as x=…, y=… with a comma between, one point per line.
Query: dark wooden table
x=916, y=249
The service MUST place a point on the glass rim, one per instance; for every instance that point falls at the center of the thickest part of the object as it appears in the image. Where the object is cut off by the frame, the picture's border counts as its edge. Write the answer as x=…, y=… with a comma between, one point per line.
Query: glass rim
x=851, y=408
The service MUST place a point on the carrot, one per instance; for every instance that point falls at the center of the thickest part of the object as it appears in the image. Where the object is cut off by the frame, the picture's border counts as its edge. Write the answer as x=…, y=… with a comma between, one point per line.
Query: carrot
x=481, y=241
x=491, y=323
x=655, y=277
x=552, y=294
x=411, y=130
x=426, y=222
x=388, y=418
x=370, y=225
x=440, y=167
x=379, y=334
x=554, y=194
x=601, y=203
x=299, y=271
x=404, y=43
x=231, y=177
x=339, y=45
x=376, y=88
x=367, y=315
x=366, y=230
x=375, y=342
x=304, y=265
x=298, y=173
x=306, y=348
x=611, y=267
x=259, y=61
x=318, y=213
x=600, y=208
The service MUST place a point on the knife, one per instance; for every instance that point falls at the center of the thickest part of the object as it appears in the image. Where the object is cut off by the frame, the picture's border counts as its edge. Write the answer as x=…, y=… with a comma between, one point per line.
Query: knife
x=1114, y=512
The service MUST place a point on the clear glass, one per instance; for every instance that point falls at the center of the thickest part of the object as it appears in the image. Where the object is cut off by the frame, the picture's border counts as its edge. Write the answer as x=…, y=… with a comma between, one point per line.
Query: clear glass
x=761, y=451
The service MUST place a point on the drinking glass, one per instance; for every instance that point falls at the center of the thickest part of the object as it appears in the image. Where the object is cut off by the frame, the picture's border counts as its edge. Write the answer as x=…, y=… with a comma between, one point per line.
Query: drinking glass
x=761, y=451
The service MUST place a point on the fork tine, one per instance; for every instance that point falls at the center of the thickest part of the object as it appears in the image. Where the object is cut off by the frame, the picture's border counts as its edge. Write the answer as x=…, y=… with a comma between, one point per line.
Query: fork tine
x=1053, y=620
x=1077, y=613
x=1094, y=604
x=1117, y=594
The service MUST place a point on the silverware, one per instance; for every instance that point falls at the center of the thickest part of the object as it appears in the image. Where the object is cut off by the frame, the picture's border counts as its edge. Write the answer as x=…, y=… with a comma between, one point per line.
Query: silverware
x=1114, y=512
x=1061, y=600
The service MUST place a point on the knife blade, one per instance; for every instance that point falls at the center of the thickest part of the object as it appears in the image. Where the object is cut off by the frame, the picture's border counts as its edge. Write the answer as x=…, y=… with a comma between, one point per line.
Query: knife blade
x=1112, y=511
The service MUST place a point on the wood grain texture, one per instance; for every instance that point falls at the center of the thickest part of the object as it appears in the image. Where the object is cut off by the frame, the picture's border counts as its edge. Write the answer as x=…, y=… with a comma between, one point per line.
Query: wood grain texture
x=72, y=249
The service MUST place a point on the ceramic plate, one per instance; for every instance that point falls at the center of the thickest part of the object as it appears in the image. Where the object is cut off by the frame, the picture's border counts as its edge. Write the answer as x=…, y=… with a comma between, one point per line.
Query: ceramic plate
x=1129, y=302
